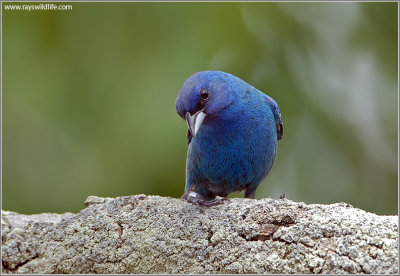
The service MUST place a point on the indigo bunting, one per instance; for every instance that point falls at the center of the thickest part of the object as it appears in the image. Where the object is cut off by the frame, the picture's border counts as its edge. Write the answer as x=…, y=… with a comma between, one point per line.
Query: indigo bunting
x=233, y=133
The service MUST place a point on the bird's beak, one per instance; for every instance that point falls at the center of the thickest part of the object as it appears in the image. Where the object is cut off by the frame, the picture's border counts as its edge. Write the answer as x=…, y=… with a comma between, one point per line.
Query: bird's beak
x=194, y=122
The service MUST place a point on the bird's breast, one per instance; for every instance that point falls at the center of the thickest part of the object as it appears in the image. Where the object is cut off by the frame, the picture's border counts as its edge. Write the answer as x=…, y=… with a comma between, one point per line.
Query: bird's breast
x=236, y=153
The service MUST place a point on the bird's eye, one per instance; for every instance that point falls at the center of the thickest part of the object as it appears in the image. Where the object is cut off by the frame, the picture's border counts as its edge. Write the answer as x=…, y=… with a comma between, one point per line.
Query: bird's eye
x=204, y=94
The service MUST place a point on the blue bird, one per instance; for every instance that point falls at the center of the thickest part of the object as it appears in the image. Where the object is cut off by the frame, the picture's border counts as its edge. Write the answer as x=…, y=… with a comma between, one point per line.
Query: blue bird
x=233, y=133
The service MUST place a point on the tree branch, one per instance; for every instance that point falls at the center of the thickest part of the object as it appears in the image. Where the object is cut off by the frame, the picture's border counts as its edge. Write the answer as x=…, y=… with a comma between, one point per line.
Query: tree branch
x=152, y=234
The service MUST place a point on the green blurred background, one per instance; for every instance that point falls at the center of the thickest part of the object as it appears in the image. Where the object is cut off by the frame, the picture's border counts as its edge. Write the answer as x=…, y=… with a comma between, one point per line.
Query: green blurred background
x=89, y=98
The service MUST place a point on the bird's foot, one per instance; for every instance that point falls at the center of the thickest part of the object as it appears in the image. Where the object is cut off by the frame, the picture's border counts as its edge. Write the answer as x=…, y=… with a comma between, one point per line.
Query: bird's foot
x=197, y=199
x=282, y=196
x=214, y=201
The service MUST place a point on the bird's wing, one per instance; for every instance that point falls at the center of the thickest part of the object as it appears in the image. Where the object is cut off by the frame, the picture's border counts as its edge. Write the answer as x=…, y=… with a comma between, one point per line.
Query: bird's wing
x=277, y=115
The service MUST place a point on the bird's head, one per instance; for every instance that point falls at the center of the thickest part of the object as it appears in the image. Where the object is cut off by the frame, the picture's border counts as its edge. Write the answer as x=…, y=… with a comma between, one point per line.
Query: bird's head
x=204, y=94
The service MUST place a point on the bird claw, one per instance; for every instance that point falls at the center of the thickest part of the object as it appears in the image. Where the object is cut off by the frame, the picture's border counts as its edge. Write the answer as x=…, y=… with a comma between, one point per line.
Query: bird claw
x=195, y=198
x=214, y=201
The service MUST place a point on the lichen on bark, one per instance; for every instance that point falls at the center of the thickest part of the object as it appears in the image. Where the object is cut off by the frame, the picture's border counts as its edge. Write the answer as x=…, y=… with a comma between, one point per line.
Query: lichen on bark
x=152, y=234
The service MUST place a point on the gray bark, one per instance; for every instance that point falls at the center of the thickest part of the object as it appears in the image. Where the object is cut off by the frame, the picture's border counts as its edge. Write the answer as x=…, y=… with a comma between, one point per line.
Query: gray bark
x=152, y=234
